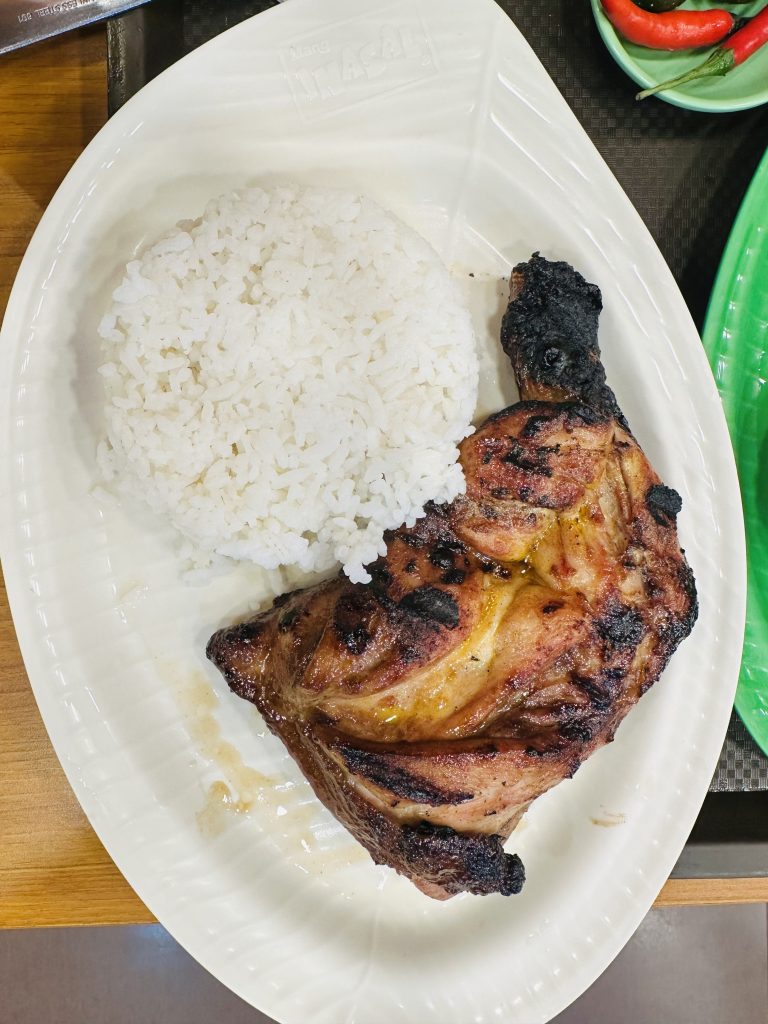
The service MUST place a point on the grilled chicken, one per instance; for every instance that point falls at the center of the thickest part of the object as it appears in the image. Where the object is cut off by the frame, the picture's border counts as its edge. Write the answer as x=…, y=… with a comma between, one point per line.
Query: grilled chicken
x=503, y=638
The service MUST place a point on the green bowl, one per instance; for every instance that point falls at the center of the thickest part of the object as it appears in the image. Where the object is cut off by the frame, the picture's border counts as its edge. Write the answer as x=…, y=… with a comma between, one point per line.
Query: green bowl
x=736, y=340
x=743, y=87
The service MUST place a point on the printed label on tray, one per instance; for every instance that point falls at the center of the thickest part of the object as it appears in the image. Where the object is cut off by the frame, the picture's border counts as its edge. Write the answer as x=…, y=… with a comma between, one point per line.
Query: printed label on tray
x=26, y=21
x=355, y=60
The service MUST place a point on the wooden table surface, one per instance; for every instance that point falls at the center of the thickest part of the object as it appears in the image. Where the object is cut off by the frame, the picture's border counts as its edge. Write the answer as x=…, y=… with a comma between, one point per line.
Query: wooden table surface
x=53, y=869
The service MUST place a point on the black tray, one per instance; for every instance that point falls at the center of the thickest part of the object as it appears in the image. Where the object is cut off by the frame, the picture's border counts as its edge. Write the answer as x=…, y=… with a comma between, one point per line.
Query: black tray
x=685, y=172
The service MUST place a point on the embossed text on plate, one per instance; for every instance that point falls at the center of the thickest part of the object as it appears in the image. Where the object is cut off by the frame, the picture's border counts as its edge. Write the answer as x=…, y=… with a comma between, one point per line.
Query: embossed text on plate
x=359, y=59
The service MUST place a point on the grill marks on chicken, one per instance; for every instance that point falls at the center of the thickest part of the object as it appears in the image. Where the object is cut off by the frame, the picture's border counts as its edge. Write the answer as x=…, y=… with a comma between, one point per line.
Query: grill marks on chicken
x=503, y=638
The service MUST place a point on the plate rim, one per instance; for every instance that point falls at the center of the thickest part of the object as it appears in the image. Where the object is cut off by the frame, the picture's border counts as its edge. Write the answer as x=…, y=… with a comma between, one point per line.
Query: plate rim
x=714, y=325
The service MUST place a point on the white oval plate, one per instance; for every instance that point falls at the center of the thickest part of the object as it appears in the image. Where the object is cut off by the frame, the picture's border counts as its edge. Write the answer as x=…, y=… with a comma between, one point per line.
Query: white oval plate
x=439, y=109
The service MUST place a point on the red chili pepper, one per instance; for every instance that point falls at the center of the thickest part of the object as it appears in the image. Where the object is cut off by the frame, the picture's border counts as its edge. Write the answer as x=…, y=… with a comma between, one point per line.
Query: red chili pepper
x=728, y=55
x=673, y=30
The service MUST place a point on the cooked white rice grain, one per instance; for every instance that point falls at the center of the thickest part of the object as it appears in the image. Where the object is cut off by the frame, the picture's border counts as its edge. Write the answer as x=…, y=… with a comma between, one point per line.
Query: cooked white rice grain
x=287, y=377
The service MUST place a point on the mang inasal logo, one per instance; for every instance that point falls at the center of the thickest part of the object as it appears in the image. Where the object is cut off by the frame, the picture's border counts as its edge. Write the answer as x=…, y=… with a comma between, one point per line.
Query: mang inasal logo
x=329, y=72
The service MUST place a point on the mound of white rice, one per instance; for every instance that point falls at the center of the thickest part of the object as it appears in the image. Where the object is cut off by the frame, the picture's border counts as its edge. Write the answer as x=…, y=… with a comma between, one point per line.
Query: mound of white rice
x=287, y=377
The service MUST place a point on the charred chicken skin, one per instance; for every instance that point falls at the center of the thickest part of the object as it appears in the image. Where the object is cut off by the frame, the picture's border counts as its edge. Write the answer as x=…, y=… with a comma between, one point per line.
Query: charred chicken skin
x=503, y=638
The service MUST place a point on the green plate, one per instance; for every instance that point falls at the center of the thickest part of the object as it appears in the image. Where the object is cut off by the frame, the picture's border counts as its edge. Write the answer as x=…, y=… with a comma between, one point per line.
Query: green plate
x=744, y=87
x=736, y=340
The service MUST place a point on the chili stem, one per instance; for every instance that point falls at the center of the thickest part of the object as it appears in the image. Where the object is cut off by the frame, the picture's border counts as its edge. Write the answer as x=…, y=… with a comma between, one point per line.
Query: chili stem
x=717, y=64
